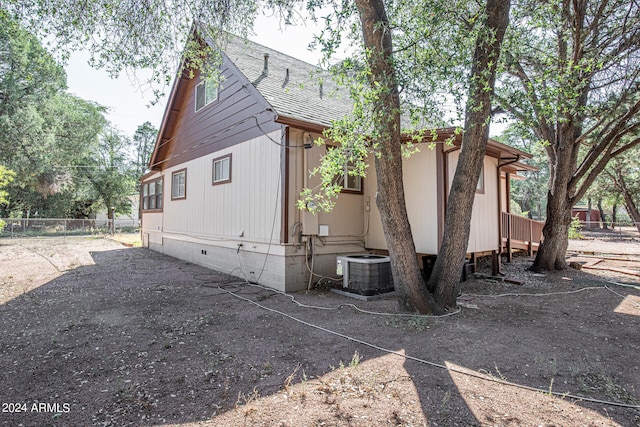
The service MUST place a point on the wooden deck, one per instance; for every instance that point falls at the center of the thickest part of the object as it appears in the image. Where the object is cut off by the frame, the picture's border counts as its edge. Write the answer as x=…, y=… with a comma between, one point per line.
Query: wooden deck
x=520, y=233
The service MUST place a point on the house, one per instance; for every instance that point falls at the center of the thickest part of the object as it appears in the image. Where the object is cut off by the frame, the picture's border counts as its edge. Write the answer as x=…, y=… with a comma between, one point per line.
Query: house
x=589, y=217
x=232, y=158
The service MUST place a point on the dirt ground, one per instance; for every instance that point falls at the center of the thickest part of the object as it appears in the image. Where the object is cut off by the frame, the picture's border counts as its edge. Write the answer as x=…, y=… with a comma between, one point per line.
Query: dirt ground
x=97, y=333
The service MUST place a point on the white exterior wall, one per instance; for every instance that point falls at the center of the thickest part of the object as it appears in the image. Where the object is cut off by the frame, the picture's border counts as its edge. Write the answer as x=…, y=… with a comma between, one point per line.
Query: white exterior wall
x=420, y=186
x=246, y=205
x=208, y=226
x=485, y=216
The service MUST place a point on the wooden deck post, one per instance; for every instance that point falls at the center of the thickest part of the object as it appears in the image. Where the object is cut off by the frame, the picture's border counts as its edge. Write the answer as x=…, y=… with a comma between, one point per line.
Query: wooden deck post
x=530, y=238
x=509, y=233
x=495, y=264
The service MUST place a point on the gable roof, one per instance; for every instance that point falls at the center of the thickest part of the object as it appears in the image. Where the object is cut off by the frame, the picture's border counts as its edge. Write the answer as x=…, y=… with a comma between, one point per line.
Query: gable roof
x=296, y=90
x=298, y=93
x=302, y=92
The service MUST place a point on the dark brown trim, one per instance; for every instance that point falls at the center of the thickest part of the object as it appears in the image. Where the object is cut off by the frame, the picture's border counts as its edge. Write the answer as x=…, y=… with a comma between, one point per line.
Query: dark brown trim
x=361, y=192
x=499, y=209
x=185, y=184
x=213, y=169
x=284, y=170
x=301, y=124
x=440, y=190
x=508, y=191
x=142, y=197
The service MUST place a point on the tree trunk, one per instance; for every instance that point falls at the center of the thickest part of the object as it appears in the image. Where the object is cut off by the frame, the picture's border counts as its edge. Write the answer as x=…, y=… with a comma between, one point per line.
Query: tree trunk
x=603, y=217
x=410, y=287
x=553, y=248
x=614, y=214
x=588, y=216
x=445, y=277
x=632, y=208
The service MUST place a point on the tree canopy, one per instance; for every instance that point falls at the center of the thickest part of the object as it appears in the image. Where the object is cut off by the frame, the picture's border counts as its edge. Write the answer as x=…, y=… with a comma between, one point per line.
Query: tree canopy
x=42, y=128
x=64, y=159
x=571, y=76
x=435, y=41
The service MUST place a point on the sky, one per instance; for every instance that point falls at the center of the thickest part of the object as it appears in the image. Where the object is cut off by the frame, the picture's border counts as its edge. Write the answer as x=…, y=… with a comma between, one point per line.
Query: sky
x=129, y=103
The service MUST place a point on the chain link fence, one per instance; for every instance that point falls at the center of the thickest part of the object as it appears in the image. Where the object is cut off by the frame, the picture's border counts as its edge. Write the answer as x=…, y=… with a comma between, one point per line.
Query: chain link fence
x=36, y=227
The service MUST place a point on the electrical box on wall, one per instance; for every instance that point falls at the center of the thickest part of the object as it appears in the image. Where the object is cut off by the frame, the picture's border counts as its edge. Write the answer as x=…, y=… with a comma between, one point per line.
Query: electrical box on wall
x=323, y=230
x=309, y=224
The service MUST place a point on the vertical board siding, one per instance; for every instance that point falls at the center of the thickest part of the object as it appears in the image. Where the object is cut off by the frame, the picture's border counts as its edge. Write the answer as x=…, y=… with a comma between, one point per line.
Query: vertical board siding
x=484, y=217
x=245, y=205
x=420, y=181
x=229, y=120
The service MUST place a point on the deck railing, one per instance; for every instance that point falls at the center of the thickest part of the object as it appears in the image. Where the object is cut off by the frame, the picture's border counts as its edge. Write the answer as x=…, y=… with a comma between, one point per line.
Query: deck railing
x=520, y=233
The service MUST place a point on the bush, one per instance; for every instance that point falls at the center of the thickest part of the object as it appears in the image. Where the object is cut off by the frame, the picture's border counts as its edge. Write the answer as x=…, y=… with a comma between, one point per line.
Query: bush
x=574, y=229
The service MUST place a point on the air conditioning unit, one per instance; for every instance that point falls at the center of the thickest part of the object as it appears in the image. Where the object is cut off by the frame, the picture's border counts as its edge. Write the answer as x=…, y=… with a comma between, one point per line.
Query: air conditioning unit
x=365, y=274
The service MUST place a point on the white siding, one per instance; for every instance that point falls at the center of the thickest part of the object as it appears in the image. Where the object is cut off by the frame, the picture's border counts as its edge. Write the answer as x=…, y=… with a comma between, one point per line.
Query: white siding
x=420, y=185
x=485, y=216
x=249, y=205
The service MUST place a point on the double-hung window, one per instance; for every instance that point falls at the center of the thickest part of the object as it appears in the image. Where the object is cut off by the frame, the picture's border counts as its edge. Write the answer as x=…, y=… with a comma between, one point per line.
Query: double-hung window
x=179, y=184
x=222, y=170
x=152, y=195
x=206, y=92
x=351, y=183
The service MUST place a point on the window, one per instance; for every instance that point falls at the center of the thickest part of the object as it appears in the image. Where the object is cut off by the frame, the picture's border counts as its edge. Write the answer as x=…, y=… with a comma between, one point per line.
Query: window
x=206, y=93
x=349, y=183
x=179, y=184
x=222, y=170
x=152, y=195
x=480, y=186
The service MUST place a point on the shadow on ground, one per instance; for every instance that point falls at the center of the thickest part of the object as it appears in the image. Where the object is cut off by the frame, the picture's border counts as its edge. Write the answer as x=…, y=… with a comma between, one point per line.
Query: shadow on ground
x=143, y=339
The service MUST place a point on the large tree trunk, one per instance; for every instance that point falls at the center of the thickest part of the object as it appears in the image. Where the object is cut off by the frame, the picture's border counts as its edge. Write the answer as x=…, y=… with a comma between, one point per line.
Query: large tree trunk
x=411, y=290
x=445, y=277
x=552, y=251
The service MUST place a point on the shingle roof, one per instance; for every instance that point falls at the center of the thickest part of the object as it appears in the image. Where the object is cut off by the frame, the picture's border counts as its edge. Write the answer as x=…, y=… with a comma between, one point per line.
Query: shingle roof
x=294, y=88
